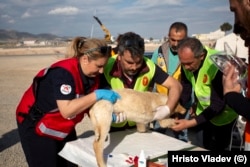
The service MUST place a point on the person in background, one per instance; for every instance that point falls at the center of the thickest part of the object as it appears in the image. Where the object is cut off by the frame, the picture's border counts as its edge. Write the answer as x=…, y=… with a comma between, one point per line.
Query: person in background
x=57, y=100
x=166, y=57
x=131, y=69
x=231, y=86
x=211, y=115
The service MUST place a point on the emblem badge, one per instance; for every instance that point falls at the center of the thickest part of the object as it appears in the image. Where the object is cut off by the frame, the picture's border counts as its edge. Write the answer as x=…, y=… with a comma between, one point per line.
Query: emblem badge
x=205, y=78
x=65, y=89
x=145, y=81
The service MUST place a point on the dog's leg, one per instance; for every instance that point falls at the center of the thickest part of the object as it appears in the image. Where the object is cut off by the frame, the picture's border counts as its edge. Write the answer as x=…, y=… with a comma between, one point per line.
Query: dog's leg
x=101, y=117
x=169, y=122
x=98, y=146
x=141, y=127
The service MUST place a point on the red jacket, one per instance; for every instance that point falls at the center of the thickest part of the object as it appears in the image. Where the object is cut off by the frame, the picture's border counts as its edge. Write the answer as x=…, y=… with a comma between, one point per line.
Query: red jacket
x=52, y=124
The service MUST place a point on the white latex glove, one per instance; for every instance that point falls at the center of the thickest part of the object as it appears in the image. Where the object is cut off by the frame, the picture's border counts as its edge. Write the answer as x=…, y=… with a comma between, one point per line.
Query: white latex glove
x=119, y=117
x=162, y=112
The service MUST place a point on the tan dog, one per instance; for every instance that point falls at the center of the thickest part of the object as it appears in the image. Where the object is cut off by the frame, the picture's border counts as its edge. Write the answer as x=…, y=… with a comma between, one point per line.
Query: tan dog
x=138, y=107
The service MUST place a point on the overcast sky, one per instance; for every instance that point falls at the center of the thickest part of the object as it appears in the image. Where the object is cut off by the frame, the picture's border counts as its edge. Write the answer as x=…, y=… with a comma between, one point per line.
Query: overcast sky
x=149, y=18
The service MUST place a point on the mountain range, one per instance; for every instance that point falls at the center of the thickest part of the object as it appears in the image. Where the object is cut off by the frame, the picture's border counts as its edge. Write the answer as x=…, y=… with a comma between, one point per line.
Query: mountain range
x=6, y=35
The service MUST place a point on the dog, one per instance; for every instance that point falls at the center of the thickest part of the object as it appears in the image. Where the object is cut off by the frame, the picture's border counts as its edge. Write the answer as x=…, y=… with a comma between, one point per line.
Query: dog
x=139, y=107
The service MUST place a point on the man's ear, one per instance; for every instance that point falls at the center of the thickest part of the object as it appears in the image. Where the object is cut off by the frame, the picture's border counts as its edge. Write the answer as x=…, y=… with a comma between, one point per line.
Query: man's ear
x=203, y=56
x=204, y=53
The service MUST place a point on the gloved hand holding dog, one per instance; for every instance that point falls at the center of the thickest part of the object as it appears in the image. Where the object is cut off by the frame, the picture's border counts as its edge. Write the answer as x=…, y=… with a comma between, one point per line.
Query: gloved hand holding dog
x=103, y=94
x=118, y=117
x=162, y=112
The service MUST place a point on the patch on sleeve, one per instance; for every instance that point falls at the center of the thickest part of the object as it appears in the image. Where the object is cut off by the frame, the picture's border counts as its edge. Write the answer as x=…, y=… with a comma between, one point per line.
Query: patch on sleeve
x=65, y=89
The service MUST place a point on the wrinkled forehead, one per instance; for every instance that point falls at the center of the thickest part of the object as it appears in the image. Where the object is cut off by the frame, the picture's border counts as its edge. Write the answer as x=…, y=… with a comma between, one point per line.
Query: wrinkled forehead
x=185, y=52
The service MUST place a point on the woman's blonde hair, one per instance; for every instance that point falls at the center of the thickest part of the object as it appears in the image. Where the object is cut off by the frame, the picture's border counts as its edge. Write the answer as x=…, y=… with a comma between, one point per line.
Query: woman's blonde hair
x=90, y=46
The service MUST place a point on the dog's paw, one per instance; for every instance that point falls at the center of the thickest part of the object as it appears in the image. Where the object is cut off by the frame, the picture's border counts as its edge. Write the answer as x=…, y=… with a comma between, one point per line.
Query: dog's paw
x=180, y=109
x=167, y=123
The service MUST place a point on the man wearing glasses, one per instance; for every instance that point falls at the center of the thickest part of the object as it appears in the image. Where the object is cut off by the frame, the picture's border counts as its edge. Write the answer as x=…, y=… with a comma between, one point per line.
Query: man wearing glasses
x=131, y=69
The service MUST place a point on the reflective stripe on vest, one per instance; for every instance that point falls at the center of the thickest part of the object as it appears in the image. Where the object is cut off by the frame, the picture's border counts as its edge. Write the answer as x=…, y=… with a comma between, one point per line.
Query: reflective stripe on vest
x=203, y=90
x=51, y=132
x=141, y=84
x=205, y=99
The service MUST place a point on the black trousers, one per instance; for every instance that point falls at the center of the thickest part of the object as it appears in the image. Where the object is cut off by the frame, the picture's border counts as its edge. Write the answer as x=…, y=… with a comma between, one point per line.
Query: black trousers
x=214, y=138
x=42, y=151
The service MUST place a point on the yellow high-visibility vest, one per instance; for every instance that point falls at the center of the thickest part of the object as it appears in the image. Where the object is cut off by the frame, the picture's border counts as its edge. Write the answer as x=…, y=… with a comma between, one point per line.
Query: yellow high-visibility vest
x=141, y=84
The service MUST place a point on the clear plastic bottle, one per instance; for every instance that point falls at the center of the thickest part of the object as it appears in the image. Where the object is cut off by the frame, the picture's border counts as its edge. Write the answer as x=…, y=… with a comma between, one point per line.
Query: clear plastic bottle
x=142, y=161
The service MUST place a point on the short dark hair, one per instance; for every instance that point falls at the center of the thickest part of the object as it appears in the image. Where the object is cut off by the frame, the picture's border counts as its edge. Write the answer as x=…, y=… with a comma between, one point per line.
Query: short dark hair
x=179, y=26
x=132, y=42
x=194, y=44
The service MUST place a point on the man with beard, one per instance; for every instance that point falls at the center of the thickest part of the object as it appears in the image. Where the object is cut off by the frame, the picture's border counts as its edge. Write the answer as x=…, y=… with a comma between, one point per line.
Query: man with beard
x=232, y=88
x=167, y=58
x=131, y=69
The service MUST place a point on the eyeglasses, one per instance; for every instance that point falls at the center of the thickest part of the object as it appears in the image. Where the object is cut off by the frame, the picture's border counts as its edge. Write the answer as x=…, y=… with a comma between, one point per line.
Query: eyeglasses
x=103, y=49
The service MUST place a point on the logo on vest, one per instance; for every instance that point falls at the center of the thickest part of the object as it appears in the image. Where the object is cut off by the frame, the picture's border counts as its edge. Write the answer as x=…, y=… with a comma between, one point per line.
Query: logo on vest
x=65, y=89
x=145, y=81
x=205, y=78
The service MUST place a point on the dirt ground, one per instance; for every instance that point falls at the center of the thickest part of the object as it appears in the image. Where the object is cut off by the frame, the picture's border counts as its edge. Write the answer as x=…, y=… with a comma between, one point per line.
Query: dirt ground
x=52, y=50
x=17, y=69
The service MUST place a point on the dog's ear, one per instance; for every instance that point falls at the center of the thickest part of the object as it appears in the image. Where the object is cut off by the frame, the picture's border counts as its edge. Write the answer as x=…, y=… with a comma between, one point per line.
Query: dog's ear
x=180, y=109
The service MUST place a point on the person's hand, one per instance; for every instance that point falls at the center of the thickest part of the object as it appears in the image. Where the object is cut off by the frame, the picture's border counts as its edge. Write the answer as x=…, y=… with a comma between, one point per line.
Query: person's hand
x=182, y=124
x=103, y=94
x=119, y=117
x=230, y=79
x=162, y=112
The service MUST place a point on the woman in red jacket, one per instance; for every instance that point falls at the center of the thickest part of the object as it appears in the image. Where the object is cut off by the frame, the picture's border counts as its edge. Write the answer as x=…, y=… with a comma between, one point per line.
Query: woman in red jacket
x=58, y=99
